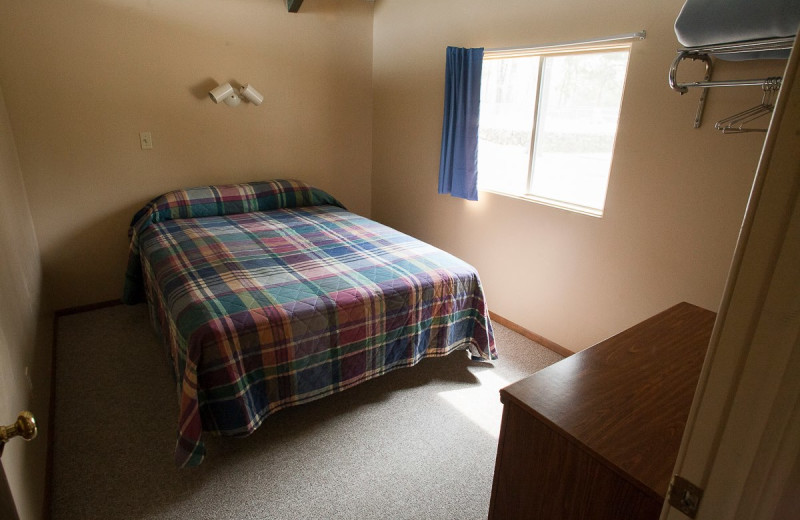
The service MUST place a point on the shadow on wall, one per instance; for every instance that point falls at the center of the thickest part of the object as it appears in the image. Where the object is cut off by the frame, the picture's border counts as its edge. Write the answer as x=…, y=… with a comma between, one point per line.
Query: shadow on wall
x=71, y=256
x=201, y=90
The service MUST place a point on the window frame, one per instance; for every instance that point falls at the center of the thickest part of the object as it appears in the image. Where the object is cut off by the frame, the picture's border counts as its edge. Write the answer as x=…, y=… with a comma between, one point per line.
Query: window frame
x=623, y=43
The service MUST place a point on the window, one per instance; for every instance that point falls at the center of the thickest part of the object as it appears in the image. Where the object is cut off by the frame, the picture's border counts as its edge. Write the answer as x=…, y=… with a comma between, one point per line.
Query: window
x=548, y=122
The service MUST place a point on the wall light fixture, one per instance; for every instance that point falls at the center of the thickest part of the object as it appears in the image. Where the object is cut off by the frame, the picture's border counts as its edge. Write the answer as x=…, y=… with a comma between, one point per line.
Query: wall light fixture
x=228, y=95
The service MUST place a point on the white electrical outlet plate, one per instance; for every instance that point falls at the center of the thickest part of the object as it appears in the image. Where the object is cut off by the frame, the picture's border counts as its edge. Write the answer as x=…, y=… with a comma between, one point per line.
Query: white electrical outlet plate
x=146, y=140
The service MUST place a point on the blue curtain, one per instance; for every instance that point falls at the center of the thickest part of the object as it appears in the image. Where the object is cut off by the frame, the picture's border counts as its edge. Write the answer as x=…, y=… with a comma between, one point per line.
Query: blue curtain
x=458, y=165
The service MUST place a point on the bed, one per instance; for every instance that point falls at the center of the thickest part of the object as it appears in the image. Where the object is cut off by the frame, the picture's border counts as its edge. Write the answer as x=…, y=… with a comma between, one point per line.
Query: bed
x=271, y=294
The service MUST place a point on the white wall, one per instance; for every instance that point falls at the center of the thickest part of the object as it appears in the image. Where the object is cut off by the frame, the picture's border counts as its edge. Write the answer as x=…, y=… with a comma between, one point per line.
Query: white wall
x=676, y=195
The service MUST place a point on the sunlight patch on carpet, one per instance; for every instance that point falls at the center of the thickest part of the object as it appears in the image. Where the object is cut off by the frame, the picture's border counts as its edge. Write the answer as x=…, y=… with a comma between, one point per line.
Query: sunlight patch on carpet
x=480, y=403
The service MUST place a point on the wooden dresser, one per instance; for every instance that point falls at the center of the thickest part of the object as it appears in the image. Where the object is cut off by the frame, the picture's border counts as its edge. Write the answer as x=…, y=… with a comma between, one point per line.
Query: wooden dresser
x=596, y=435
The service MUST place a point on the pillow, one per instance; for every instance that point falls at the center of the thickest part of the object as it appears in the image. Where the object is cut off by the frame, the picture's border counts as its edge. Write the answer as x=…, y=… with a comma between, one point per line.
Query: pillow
x=218, y=200
x=230, y=199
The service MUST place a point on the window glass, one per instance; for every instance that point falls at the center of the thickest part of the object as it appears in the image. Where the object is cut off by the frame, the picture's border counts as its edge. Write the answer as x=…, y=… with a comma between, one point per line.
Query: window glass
x=508, y=101
x=548, y=125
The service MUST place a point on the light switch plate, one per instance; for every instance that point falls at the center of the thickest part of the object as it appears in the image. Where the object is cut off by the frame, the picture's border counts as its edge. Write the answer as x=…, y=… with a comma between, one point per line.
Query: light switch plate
x=146, y=140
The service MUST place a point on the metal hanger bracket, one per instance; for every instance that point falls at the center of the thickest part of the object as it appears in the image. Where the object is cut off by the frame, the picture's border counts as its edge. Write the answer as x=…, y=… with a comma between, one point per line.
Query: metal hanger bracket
x=705, y=54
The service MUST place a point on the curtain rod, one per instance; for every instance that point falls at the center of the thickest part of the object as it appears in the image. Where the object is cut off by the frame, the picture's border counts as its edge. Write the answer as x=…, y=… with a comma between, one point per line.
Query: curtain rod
x=641, y=35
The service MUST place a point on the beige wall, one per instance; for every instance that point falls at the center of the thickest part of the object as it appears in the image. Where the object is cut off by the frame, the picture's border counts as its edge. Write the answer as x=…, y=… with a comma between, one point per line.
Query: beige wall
x=83, y=78
x=676, y=195
x=25, y=331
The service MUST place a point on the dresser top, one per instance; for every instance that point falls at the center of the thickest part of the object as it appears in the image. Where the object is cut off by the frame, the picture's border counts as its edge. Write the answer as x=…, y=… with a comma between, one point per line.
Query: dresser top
x=626, y=399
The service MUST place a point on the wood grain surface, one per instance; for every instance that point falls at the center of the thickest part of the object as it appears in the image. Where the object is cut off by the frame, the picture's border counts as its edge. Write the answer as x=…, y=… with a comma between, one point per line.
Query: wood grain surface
x=615, y=411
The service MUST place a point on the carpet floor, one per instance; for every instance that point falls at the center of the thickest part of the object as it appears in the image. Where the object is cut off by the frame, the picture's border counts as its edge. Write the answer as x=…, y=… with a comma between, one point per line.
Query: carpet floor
x=417, y=443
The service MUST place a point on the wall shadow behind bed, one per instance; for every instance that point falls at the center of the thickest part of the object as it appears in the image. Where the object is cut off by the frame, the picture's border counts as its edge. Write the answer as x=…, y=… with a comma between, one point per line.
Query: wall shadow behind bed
x=271, y=294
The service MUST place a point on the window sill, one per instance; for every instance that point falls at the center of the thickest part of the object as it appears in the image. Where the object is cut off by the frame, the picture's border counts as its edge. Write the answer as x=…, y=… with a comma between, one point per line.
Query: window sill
x=575, y=208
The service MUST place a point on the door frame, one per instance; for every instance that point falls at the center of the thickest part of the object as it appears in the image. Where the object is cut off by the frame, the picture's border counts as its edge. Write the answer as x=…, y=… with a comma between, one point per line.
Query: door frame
x=7, y=507
x=742, y=439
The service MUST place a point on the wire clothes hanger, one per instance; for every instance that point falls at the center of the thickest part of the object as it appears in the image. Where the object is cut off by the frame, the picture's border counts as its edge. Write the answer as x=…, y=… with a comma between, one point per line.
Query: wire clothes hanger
x=735, y=124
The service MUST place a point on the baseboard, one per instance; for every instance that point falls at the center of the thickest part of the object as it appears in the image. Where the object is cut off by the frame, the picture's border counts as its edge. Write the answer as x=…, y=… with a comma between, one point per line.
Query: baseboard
x=47, y=507
x=86, y=308
x=522, y=331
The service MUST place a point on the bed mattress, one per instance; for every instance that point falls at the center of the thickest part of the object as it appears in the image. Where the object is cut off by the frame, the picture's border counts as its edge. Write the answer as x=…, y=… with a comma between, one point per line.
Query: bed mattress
x=265, y=309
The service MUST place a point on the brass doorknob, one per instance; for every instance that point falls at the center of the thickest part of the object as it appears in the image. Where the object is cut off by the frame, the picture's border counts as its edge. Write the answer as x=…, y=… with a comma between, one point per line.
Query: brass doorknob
x=25, y=427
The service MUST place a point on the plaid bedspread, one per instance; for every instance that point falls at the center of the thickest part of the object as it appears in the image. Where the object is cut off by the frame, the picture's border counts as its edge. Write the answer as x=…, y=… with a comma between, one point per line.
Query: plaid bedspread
x=268, y=309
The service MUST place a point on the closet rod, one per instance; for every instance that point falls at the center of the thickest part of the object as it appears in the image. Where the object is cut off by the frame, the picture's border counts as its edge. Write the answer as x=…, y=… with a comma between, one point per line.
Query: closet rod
x=641, y=35
x=728, y=83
